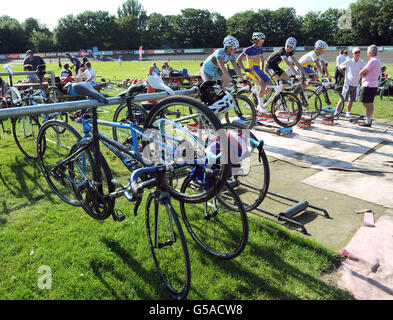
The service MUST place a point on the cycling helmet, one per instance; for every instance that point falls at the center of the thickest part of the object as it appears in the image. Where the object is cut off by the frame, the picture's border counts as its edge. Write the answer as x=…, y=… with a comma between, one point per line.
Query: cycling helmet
x=223, y=103
x=258, y=36
x=291, y=42
x=230, y=41
x=321, y=44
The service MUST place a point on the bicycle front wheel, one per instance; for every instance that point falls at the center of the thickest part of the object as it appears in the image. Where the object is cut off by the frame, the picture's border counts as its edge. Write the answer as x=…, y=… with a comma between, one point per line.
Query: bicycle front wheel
x=168, y=245
x=286, y=109
x=220, y=225
x=52, y=148
x=244, y=111
x=25, y=131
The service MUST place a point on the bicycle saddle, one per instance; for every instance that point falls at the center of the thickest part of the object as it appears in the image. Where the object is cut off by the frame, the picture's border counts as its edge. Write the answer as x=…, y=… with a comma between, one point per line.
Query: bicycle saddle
x=133, y=90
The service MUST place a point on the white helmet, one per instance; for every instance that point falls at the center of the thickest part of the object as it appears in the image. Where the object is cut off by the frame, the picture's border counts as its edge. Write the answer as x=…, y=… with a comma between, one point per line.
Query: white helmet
x=321, y=44
x=230, y=41
x=291, y=42
x=258, y=36
x=221, y=106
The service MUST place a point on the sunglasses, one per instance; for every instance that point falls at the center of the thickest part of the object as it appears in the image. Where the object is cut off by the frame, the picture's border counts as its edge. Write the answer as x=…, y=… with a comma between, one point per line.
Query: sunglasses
x=357, y=52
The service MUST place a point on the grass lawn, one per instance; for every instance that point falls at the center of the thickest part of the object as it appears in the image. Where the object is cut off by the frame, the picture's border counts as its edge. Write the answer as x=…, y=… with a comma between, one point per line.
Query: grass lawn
x=89, y=259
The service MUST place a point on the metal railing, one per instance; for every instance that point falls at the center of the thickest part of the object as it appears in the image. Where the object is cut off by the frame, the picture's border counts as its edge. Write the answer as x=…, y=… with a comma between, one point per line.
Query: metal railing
x=25, y=73
x=82, y=104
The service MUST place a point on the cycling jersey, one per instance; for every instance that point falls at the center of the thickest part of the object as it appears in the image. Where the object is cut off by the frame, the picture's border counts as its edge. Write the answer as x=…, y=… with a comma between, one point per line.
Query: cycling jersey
x=276, y=57
x=253, y=56
x=310, y=57
x=210, y=65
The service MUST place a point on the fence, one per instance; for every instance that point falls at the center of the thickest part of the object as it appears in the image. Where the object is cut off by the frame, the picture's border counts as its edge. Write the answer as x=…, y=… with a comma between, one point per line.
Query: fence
x=83, y=104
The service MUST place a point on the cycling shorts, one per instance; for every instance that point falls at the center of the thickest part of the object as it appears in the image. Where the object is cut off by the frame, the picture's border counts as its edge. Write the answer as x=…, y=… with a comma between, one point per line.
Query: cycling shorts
x=256, y=74
x=275, y=71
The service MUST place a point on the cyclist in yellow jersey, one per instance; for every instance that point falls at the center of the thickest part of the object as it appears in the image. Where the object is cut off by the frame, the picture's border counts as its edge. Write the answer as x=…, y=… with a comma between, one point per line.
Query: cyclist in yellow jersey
x=255, y=66
x=315, y=57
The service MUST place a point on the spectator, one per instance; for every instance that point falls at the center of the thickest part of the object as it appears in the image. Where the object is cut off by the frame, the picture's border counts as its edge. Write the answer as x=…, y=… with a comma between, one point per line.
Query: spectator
x=3, y=91
x=75, y=62
x=120, y=61
x=164, y=70
x=155, y=70
x=90, y=75
x=31, y=78
x=33, y=60
x=59, y=63
x=351, y=68
x=383, y=76
x=339, y=77
x=370, y=74
x=66, y=72
x=84, y=60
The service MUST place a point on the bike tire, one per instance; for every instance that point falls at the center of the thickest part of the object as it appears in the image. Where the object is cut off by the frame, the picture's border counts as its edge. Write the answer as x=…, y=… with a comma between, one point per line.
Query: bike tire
x=251, y=181
x=171, y=261
x=53, y=147
x=330, y=98
x=121, y=115
x=244, y=110
x=25, y=131
x=214, y=225
x=286, y=109
x=206, y=120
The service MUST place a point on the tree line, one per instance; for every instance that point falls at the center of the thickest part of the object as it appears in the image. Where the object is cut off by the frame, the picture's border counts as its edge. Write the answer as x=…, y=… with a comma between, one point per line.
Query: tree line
x=365, y=22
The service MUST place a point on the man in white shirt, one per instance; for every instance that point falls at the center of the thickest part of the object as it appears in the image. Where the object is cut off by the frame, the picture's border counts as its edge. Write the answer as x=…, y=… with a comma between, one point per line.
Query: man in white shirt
x=352, y=79
x=90, y=75
x=339, y=60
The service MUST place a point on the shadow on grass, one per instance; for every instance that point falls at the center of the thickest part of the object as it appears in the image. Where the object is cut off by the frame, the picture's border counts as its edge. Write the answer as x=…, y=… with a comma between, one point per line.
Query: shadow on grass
x=276, y=278
x=23, y=171
x=150, y=277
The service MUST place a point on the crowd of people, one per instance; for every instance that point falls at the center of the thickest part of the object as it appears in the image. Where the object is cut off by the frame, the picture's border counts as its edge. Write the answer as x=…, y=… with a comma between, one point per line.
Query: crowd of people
x=360, y=79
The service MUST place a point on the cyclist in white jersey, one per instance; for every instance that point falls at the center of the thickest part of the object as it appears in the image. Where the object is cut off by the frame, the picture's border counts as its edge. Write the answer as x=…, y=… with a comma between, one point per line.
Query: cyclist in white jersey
x=315, y=57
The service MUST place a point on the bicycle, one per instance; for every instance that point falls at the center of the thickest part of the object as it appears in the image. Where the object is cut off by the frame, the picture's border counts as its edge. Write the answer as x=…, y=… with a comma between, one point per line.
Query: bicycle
x=329, y=96
x=81, y=177
x=285, y=107
x=227, y=102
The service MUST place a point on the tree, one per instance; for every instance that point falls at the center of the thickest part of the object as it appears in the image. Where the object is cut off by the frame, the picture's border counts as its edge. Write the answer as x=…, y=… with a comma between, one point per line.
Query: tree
x=159, y=31
x=242, y=25
x=133, y=8
x=12, y=36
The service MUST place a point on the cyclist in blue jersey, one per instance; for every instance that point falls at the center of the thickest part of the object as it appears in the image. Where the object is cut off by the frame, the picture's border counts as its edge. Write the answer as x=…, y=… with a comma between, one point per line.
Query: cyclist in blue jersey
x=255, y=67
x=214, y=68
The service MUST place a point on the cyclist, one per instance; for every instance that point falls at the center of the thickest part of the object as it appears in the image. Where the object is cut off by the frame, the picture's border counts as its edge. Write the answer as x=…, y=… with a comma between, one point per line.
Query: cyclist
x=284, y=54
x=214, y=68
x=315, y=57
x=255, y=67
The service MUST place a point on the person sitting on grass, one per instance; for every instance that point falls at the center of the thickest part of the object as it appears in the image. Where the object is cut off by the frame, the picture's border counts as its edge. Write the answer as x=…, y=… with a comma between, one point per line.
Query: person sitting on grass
x=66, y=73
x=31, y=78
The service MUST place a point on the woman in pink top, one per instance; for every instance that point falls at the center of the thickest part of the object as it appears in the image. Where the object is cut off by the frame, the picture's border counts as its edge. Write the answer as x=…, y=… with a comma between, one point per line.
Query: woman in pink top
x=370, y=74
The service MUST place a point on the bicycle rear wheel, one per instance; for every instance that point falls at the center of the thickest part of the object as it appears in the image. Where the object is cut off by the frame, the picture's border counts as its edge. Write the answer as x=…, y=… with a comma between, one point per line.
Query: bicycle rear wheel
x=286, y=109
x=330, y=98
x=220, y=225
x=137, y=116
x=197, y=123
x=243, y=111
x=167, y=244
x=25, y=131
x=251, y=177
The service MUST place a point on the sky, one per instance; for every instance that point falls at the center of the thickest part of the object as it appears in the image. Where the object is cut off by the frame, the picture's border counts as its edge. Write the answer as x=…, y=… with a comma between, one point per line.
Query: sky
x=49, y=11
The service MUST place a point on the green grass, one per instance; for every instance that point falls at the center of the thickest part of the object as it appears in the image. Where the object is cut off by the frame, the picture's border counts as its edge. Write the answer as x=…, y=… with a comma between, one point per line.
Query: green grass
x=110, y=260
